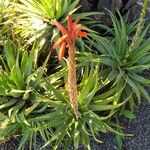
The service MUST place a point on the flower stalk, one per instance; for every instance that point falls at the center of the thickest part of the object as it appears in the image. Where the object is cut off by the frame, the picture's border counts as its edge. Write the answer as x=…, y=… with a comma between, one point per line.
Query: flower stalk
x=72, y=81
x=68, y=40
x=139, y=26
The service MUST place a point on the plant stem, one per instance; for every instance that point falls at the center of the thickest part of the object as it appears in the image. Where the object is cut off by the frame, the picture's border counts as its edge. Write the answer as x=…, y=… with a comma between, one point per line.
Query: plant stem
x=72, y=81
x=139, y=26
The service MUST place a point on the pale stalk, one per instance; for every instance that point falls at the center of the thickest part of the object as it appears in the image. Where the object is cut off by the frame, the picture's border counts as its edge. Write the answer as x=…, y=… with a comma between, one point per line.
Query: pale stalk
x=72, y=81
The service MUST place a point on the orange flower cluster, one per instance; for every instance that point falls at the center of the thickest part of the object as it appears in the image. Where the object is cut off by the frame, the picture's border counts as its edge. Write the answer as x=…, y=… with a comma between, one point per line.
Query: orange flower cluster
x=69, y=36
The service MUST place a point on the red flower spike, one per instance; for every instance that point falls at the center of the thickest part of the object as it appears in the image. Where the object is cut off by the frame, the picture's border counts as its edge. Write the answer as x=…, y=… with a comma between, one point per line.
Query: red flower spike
x=69, y=36
x=59, y=41
x=62, y=51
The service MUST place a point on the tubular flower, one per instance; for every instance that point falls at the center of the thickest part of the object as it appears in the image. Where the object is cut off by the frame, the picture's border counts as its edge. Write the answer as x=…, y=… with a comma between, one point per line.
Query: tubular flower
x=68, y=36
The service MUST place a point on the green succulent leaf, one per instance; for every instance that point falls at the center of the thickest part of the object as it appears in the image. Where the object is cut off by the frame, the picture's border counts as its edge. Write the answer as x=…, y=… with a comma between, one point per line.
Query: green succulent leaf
x=128, y=114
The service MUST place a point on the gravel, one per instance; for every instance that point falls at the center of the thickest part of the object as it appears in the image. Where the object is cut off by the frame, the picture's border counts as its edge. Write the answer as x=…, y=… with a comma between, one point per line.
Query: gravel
x=140, y=127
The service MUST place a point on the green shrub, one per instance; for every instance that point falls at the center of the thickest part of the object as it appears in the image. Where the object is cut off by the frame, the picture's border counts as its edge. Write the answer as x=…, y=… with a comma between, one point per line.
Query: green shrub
x=33, y=19
x=61, y=126
x=32, y=104
x=124, y=57
x=19, y=79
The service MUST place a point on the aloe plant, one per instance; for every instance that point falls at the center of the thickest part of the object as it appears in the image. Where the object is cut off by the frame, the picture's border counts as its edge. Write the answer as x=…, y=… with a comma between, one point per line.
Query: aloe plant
x=91, y=121
x=34, y=18
x=42, y=109
x=33, y=21
x=124, y=59
x=19, y=79
x=37, y=104
x=16, y=75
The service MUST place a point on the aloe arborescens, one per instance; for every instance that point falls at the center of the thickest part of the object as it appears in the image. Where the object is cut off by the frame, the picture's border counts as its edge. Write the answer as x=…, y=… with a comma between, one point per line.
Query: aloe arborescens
x=68, y=40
